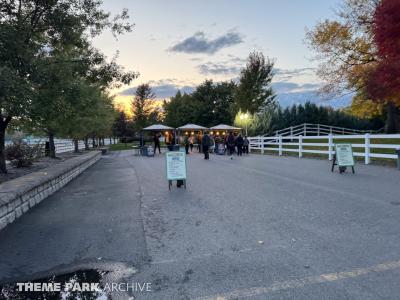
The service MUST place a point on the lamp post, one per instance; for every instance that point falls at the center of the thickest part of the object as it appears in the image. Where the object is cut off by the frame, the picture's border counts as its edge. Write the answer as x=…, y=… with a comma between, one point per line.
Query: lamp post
x=244, y=117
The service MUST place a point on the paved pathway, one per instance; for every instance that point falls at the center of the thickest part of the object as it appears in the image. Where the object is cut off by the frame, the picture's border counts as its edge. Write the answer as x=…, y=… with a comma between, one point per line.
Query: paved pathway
x=254, y=227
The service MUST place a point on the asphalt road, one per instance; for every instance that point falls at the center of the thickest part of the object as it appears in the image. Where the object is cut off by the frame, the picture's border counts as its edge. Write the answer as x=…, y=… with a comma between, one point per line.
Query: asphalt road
x=257, y=227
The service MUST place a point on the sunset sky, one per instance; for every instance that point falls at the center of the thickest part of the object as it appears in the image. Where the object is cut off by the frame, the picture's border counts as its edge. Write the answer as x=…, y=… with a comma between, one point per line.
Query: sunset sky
x=178, y=44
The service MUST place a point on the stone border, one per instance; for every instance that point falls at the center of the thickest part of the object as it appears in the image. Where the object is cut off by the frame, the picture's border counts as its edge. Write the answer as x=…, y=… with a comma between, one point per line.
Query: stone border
x=17, y=196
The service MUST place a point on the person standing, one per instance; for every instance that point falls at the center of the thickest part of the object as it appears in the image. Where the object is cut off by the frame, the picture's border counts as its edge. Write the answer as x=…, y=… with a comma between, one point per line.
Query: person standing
x=206, y=143
x=191, y=142
x=246, y=144
x=156, y=140
x=186, y=142
x=239, y=144
x=230, y=141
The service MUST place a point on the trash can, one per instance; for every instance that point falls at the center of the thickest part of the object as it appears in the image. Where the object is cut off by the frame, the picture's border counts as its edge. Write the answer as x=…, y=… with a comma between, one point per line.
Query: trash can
x=398, y=158
x=143, y=151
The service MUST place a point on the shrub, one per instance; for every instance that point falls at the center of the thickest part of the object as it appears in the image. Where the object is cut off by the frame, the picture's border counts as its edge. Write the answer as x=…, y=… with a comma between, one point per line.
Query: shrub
x=21, y=154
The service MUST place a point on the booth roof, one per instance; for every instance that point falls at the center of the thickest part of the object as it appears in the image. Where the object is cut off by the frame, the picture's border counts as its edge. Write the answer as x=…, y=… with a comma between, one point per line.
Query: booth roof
x=224, y=127
x=158, y=127
x=192, y=126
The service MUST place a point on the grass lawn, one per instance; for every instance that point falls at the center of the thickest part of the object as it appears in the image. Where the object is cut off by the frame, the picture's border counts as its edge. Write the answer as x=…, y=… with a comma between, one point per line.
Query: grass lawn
x=122, y=146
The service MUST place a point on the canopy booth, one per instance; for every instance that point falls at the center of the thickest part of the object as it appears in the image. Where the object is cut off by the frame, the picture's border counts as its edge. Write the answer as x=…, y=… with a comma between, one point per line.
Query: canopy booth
x=219, y=132
x=223, y=129
x=193, y=131
x=166, y=131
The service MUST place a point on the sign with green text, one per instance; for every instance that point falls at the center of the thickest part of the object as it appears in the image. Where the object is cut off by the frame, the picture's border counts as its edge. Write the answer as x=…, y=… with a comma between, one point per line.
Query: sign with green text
x=344, y=155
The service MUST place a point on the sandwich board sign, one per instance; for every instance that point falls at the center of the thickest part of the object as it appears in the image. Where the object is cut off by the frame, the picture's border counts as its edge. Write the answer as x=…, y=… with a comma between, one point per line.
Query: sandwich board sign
x=176, y=167
x=343, y=157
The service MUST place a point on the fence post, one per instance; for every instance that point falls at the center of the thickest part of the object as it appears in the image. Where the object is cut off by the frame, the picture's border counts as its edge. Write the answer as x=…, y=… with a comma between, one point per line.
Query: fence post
x=305, y=129
x=330, y=146
x=262, y=145
x=318, y=129
x=300, y=146
x=291, y=133
x=367, y=148
x=280, y=145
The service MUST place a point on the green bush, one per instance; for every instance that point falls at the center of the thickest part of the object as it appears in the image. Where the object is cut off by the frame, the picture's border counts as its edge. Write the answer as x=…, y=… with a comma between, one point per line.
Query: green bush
x=21, y=154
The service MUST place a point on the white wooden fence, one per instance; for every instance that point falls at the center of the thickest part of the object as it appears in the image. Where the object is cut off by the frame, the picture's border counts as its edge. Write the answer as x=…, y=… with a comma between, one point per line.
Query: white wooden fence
x=64, y=145
x=307, y=129
x=325, y=145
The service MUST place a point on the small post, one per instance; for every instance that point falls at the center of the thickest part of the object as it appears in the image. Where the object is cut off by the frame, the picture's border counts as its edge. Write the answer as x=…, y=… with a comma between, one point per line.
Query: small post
x=367, y=148
x=262, y=145
x=330, y=146
x=280, y=145
x=318, y=129
x=398, y=158
x=305, y=129
x=291, y=133
x=300, y=146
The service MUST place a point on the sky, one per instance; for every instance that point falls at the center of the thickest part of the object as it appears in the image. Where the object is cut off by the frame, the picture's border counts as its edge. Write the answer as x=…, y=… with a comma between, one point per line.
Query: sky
x=177, y=44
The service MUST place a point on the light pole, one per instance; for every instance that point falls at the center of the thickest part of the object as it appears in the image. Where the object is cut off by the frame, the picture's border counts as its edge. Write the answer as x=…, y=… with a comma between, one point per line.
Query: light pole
x=244, y=117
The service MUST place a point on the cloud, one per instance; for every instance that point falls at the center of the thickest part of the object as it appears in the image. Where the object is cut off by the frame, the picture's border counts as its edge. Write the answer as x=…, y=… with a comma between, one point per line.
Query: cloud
x=232, y=66
x=217, y=69
x=292, y=87
x=199, y=43
x=162, y=88
x=285, y=74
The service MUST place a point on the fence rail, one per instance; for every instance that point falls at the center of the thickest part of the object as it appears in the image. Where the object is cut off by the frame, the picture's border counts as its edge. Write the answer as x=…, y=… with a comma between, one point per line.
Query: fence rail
x=365, y=145
x=62, y=145
x=307, y=129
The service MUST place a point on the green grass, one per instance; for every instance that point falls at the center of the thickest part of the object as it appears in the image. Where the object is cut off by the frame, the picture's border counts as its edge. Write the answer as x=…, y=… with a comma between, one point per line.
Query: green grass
x=122, y=146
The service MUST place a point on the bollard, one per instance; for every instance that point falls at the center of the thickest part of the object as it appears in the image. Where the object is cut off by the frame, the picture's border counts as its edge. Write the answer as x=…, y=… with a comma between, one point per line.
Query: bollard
x=398, y=158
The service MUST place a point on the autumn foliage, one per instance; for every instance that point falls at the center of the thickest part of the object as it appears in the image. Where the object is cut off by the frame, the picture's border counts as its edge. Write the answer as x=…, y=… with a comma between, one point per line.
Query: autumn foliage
x=384, y=79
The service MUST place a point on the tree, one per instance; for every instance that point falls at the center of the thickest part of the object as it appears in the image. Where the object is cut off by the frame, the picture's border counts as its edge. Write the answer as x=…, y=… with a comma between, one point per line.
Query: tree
x=30, y=28
x=120, y=125
x=210, y=104
x=143, y=107
x=350, y=50
x=383, y=83
x=254, y=91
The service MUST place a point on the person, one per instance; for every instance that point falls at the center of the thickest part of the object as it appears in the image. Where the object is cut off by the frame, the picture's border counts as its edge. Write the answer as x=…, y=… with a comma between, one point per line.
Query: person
x=230, y=141
x=206, y=143
x=199, y=139
x=191, y=142
x=157, y=143
x=186, y=142
x=239, y=144
x=246, y=144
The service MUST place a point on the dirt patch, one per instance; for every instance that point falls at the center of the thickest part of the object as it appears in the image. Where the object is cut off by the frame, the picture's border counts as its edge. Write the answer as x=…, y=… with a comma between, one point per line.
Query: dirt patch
x=38, y=165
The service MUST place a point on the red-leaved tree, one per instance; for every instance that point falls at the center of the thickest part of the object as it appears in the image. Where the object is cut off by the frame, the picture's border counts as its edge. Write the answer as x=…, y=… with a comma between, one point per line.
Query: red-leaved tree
x=384, y=80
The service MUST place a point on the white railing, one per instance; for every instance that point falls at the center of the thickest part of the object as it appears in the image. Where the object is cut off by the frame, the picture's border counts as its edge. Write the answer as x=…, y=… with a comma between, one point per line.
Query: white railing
x=320, y=129
x=62, y=145
x=325, y=145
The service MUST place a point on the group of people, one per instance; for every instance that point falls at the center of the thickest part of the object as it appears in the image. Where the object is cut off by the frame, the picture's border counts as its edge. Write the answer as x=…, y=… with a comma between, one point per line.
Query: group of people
x=231, y=144
x=207, y=143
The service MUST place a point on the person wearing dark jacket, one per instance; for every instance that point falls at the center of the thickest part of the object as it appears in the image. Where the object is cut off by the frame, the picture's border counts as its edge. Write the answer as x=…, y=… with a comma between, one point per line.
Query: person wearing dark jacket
x=156, y=140
x=239, y=144
x=206, y=143
x=246, y=145
x=230, y=143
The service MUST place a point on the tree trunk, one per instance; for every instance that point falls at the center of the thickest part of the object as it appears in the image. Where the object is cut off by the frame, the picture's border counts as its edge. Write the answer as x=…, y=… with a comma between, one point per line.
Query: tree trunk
x=3, y=126
x=76, y=145
x=86, y=144
x=392, y=118
x=93, y=142
x=3, y=167
x=102, y=141
x=52, y=146
x=110, y=140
